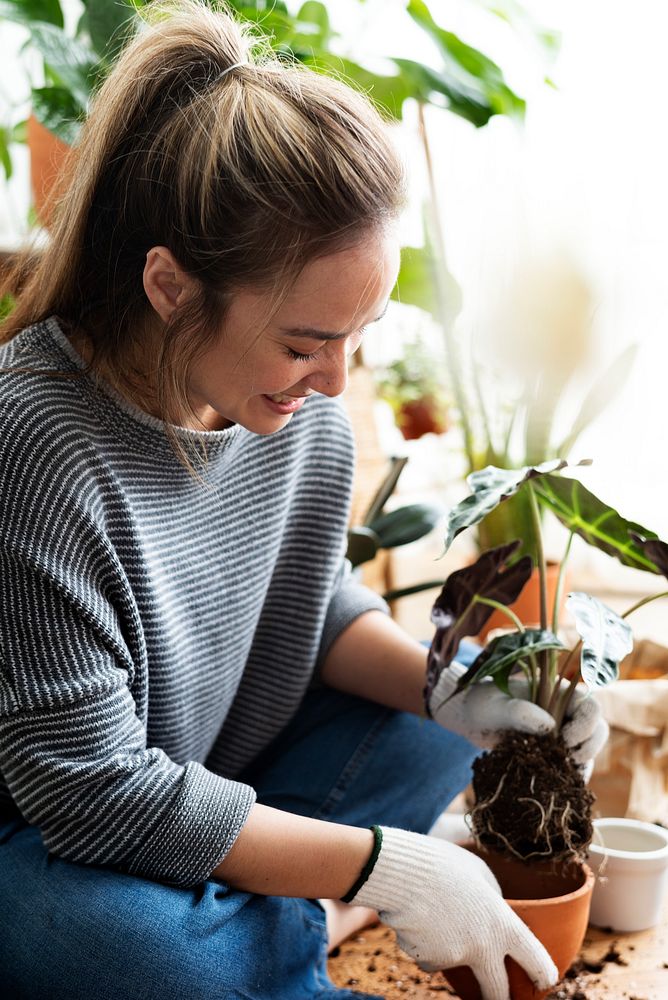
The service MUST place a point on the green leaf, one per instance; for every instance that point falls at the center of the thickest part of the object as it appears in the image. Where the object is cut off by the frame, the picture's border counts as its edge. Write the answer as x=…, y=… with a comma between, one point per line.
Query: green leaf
x=464, y=99
x=73, y=64
x=317, y=16
x=416, y=283
x=604, y=390
x=456, y=612
x=59, y=111
x=503, y=653
x=655, y=549
x=110, y=24
x=606, y=639
x=19, y=132
x=406, y=524
x=490, y=487
x=468, y=65
x=387, y=92
x=5, y=157
x=601, y=526
x=26, y=12
x=363, y=543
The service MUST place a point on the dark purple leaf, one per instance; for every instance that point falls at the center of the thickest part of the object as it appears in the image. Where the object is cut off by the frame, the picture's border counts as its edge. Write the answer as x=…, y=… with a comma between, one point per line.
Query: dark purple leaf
x=655, y=549
x=456, y=614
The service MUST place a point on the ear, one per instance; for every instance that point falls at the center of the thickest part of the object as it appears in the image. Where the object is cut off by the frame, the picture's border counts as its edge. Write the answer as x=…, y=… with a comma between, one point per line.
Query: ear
x=166, y=284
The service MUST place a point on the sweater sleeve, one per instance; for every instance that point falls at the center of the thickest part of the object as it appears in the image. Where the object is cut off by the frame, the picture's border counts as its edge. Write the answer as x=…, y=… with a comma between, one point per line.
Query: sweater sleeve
x=74, y=752
x=349, y=600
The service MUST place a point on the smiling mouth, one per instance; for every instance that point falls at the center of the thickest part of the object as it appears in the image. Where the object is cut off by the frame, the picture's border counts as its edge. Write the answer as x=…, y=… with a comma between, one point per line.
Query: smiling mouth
x=283, y=397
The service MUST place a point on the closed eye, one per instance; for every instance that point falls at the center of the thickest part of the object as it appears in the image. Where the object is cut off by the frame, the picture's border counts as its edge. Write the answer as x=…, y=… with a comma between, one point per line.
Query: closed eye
x=297, y=356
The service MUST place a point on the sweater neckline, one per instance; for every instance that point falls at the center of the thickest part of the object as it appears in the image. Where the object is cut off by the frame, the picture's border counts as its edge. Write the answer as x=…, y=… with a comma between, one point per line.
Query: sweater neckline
x=140, y=429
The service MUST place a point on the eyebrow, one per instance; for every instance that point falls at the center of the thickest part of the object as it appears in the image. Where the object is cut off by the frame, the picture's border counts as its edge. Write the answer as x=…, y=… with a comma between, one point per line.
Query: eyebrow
x=308, y=331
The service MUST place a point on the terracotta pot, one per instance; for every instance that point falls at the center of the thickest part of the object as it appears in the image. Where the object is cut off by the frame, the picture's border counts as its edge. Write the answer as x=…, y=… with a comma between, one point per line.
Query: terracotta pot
x=554, y=905
x=47, y=161
x=527, y=605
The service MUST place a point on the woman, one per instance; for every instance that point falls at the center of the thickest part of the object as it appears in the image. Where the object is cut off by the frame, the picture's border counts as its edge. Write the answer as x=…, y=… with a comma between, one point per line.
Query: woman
x=206, y=725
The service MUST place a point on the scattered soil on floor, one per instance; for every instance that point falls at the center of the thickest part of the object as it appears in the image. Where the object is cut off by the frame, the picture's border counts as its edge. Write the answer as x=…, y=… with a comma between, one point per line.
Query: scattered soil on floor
x=531, y=800
x=372, y=962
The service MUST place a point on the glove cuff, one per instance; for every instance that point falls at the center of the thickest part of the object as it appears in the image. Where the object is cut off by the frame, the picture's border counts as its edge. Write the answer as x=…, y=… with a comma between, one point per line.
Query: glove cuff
x=445, y=686
x=392, y=881
x=369, y=866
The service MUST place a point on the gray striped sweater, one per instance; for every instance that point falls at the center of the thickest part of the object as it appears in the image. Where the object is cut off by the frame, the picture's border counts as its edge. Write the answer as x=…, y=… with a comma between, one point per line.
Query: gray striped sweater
x=155, y=633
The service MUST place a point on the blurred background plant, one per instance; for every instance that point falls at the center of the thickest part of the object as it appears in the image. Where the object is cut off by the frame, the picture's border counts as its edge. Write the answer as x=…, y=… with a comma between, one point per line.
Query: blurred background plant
x=413, y=385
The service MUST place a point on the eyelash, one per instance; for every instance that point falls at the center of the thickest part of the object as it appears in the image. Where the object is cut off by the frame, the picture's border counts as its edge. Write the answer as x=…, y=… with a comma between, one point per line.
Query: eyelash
x=296, y=356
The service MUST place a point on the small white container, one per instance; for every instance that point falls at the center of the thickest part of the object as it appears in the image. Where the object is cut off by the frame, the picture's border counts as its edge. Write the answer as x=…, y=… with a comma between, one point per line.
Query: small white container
x=630, y=862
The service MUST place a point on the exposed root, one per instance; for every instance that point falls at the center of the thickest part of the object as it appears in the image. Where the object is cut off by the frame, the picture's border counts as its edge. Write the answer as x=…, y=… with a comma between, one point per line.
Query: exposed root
x=552, y=821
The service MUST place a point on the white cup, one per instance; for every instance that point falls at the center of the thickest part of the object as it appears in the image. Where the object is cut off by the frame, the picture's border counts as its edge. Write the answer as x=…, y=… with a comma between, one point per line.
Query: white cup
x=630, y=862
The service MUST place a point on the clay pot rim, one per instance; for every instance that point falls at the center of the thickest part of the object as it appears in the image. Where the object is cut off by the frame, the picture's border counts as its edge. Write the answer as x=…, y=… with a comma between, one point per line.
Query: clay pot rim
x=542, y=901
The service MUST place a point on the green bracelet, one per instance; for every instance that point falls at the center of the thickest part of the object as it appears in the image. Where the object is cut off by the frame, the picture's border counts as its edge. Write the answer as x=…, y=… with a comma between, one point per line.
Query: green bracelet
x=369, y=866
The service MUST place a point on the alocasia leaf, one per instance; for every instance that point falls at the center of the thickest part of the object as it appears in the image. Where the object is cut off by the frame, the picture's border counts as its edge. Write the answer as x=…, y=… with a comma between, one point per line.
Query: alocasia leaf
x=606, y=638
x=655, y=549
x=502, y=654
x=600, y=525
x=490, y=486
x=457, y=614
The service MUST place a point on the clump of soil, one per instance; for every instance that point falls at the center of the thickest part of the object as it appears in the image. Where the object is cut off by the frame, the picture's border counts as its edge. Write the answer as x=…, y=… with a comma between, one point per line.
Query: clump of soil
x=531, y=800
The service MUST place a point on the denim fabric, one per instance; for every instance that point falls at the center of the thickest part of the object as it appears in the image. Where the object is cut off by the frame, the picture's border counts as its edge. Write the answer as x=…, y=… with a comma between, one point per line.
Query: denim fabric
x=78, y=932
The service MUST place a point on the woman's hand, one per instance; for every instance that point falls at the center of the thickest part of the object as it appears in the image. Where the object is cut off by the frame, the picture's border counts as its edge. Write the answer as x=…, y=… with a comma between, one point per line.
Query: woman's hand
x=447, y=909
x=482, y=712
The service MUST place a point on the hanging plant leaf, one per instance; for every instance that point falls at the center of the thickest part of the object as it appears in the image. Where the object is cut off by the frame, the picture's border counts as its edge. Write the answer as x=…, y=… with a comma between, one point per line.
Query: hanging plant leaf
x=601, y=526
x=498, y=659
x=490, y=486
x=606, y=638
x=406, y=524
x=363, y=543
x=467, y=65
x=466, y=99
x=456, y=613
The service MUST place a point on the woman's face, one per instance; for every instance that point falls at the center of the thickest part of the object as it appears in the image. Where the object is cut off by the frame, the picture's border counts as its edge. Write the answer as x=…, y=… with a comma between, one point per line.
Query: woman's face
x=259, y=379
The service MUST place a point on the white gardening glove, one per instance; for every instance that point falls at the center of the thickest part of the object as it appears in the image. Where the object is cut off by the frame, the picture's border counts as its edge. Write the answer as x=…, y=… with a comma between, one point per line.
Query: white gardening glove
x=447, y=910
x=482, y=712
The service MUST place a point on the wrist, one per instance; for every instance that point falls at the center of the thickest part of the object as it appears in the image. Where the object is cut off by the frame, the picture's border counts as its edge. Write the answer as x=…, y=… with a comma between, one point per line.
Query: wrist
x=368, y=867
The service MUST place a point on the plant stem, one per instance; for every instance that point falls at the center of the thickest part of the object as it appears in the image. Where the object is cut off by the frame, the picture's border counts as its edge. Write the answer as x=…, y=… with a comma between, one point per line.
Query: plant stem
x=560, y=584
x=453, y=358
x=544, y=691
x=645, y=600
x=565, y=701
x=416, y=588
x=502, y=608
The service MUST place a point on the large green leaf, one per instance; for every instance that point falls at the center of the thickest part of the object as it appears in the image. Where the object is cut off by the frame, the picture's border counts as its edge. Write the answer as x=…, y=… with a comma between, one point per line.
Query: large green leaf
x=502, y=654
x=5, y=158
x=416, y=285
x=110, y=24
x=74, y=65
x=468, y=100
x=27, y=12
x=600, y=525
x=490, y=487
x=467, y=64
x=456, y=612
x=57, y=110
x=606, y=638
x=406, y=524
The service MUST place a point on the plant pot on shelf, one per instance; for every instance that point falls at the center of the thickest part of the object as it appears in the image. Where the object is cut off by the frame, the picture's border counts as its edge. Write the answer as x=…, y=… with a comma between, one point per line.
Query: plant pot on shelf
x=527, y=605
x=47, y=161
x=554, y=905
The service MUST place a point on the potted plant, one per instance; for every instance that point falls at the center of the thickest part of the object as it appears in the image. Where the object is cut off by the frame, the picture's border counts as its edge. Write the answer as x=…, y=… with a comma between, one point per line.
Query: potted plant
x=532, y=805
x=414, y=390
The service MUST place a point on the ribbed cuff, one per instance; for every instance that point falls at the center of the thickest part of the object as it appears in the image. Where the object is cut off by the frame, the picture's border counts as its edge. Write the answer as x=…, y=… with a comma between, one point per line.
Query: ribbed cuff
x=369, y=866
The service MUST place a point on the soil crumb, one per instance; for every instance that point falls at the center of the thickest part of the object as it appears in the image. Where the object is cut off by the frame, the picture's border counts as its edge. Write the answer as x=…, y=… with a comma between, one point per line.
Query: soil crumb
x=531, y=800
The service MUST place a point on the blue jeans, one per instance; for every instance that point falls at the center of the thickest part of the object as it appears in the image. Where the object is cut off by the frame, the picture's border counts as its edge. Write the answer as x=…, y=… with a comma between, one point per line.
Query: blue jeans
x=80, y=932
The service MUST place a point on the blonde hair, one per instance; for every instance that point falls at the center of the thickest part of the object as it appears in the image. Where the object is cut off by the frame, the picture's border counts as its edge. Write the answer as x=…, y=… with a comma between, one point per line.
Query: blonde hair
x=245, y=167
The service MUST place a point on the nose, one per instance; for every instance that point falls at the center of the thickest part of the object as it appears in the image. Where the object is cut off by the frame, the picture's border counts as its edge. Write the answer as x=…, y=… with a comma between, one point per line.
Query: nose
x=331, y=375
